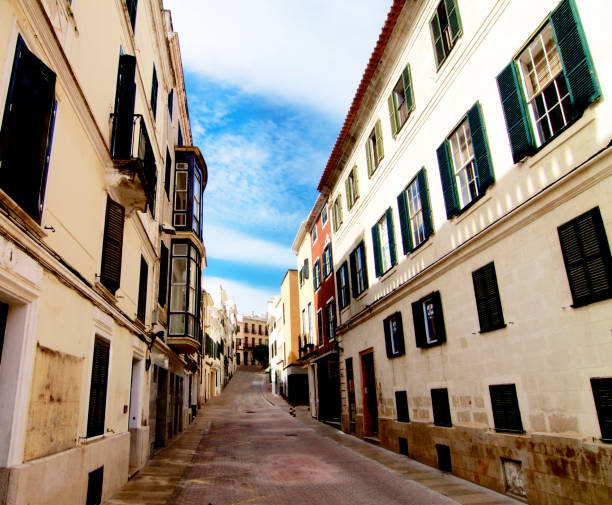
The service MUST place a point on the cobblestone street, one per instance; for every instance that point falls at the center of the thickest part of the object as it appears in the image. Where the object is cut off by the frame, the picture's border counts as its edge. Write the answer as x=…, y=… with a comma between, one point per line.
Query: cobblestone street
x=244, y=448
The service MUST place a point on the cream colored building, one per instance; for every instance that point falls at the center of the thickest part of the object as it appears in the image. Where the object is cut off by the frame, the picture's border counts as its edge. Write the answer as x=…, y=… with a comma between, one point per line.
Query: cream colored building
x=277, y=343
x=252, y=331
x=476, y=312
x=94, y=365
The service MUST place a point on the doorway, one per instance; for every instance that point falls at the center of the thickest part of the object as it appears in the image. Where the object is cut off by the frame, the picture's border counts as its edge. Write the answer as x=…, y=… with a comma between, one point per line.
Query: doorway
x=368, y=385
x=350, y=388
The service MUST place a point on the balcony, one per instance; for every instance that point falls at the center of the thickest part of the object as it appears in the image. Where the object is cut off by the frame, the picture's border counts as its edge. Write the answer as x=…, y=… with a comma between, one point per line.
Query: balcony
x=185, y=344
x=133, y=178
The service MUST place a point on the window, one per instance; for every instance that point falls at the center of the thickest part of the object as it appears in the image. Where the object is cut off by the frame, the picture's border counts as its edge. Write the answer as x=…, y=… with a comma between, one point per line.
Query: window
x=168, y=173
x=170, y=102
x=383, y=238
x=320, y=326
x=181, y=180
x=112, y=246
x=506, y=413
x=394, y=335
x=184, y=314
x=441, y=407
x=97, y=392
x=197, y=193
x=238, y=342
x=324, y=215
x=465, y=164
x=352, y=188
x=303, y=321
x=330, y=319
x=488, y=303
x=314, y=233
x=310, y=334
x=550, y=84
x=445, y=29
x=123, y=113
x=342, y=283
x=429, y=321
x=359, y=272
x=586, y=254
x=327, y=261
x=27, y=130
x=401, y=101
x=444, y=458
x=180, y=136
x=401, y=406
x=415, y=213
x=602, y=393
x=141, y=312
x=374, y=148
x=316, y=274
x=163, y=275
x=337, y=213
x=154, y=86
x=131, y=8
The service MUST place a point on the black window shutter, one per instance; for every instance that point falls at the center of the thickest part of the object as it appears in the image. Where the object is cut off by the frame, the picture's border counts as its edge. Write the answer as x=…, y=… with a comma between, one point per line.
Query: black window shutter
x=142, y=290
x=515, y=113
x=112, y=248
x=402, y=207
x=131, y=7
x=168, y=173
x=353, y=265
x=26, y=126
x=441, y=407
x=488, y=303
x=482, y=158
x=125, y=97
x=154, y=86
x=577, y=64
x=364, y=264
x=339, y=288
x=586, y=254
x=401, y=405
x=506, y=413
x=94, y=486
x=439, y=318
x=170, y=102
x=163, y=275
x=447, y=178
x=391, y=234
x=399, y=338
x=418, y=318
x=97, y=394
x=425, y=203
x=602, y=393
x=376, y=245
x=387, y=328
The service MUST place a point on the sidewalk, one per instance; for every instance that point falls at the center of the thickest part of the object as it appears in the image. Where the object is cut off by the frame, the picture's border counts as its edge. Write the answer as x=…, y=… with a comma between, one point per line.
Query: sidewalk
x=455, y=488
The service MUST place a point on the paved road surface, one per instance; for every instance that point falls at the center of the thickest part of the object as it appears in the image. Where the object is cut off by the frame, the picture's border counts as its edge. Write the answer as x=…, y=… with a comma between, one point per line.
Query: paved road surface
x=247, y=449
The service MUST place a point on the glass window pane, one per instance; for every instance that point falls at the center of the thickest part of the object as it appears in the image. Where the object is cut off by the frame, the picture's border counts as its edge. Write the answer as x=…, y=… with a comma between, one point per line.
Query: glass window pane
x=179, y=270
x=181, y=181
x=179, y=219
x=180, y=200
x=177, y=295
x=179, y=249
x=190, y=326
x=177, y=324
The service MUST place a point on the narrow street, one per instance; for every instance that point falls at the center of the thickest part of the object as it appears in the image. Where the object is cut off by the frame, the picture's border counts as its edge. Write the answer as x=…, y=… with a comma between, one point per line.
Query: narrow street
x=245, y=448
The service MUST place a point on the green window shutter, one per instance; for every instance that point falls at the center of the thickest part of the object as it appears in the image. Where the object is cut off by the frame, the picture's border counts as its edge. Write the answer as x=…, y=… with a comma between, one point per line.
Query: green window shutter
x=602, y=393
x=577, y=64
x=391, y=233
x=453, y=18
x=447, y=178
x=515, y=113
x=355, y=182
x=482, y=158
x=339, y=211
x=436, y=37
x=335, y=218
x=347, y=187
x=402, y=206
x=353, y=265
x=488, y=303
x=110, y=270
x=364, y=265
x=425, y=203
x=393, y=113
x=369, y=157
x=407, y=80
x=376, y=245
x=380, y=152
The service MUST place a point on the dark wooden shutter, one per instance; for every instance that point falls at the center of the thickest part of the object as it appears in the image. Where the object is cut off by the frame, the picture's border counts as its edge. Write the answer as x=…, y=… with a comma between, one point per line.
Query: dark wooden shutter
x=506, y=413
x=515, y=113
x=401, y=406
x=142, y=290
x=94, y=486
x=97, y=393
x=163, y=275
x=482, y=158
x=444, y=458
x=125, y=97
x=399, y=337
x=387, y=330
x=353, y=265
x=25, y=132
x=154, y=86
x=380, y=151
x=168, y=173
x=402, y=207
x=575, y=57
x=376, y=245
x=425, y=203
x=418, y=319
x=602, y=393
x=586, y=254
x=441, y=407
x=170, y=102
x=453, y=18
x=439, y=318
x=131, y=7
x=447, y=177
x=393, y=115
x=488, y=302
x=407, y=82
x=112, y=248
x=364, y=265
x=339, y=288
x=391, y=234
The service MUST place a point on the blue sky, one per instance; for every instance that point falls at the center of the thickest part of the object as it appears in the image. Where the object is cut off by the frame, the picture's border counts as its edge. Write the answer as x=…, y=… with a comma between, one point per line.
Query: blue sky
x=268, y=83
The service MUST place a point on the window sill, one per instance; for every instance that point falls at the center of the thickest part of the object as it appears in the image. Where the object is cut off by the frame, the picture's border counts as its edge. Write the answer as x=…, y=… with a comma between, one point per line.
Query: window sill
x=101, y=289
x=387, y=274
x=361, y=295
x=489, y=330
x=397, y=355
x=16, y=211
x=472, y=207
x=509, y=432
x=421, y=247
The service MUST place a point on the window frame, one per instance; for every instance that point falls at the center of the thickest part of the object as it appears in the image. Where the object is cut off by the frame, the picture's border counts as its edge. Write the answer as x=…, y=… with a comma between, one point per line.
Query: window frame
x=320, y=328
x=359, y=270
x=421, y=319
x=328, y=266
x=383, y=240
x=330, y=322
x=193, y=270
x=505, y=393
x=394, y=335
x=337, y=212
x=316, y=274
x=449, y=7
x=323, y=216
x=404, y=84
x=374, y=148
x=342, y=285
x=488, y=300
x=352, y=188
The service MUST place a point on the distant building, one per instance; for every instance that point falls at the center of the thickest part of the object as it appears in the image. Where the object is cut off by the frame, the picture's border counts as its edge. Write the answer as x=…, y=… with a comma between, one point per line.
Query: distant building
x=252, y=331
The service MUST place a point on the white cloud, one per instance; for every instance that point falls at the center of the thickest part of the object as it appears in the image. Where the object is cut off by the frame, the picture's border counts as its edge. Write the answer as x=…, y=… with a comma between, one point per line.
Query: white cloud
x=230, y=245
x=312, y=53
x=247, y=298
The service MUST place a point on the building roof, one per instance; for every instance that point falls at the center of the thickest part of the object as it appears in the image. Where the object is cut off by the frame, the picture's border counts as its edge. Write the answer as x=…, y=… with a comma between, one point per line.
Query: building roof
x=366, y=79
x=307, y=225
